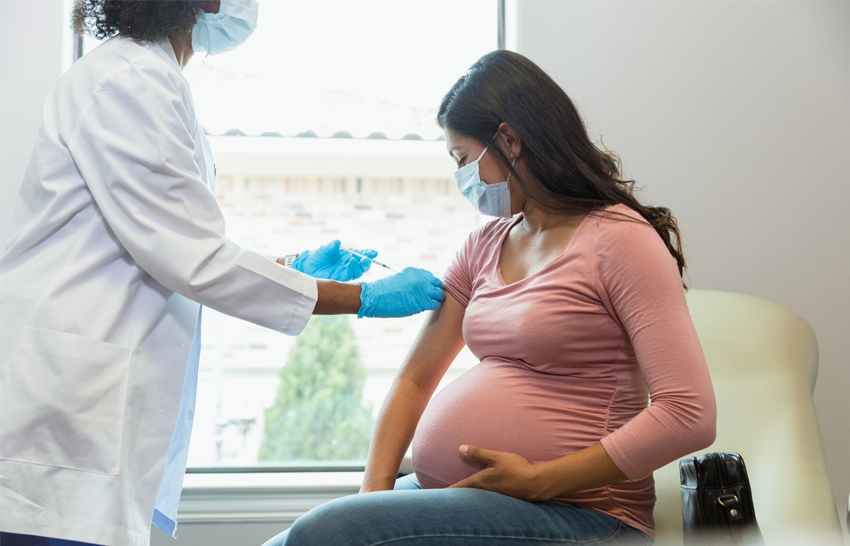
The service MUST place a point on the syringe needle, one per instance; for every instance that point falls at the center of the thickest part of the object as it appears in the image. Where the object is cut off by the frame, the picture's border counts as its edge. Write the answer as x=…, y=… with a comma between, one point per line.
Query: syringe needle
x=374, y=261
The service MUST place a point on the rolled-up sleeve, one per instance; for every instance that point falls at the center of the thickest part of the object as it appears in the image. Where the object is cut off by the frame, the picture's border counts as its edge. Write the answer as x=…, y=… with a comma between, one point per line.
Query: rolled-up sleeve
x=135, y=149
x=639, y=283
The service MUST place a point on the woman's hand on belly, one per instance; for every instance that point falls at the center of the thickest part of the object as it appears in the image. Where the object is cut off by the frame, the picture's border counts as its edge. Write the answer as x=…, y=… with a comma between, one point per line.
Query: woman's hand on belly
x=506, y=473
x=512, y=475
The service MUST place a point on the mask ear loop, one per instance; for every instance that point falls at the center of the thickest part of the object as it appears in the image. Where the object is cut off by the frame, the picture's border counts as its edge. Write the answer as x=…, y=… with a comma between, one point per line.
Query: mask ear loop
x=513, y=157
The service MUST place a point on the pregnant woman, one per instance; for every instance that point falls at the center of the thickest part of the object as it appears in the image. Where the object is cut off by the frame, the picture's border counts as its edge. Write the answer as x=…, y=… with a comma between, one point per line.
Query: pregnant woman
x=573, y=301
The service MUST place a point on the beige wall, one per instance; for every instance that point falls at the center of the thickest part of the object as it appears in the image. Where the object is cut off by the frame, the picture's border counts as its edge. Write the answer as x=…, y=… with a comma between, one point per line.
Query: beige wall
x=738, y=114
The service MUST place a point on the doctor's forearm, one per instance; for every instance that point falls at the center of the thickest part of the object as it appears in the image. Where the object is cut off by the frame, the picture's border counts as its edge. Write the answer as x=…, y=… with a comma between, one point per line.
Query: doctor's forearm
x=337, y=298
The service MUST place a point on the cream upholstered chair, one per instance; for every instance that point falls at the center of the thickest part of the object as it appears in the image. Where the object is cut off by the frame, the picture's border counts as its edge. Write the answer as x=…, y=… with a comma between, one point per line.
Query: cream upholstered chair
x=763, y=360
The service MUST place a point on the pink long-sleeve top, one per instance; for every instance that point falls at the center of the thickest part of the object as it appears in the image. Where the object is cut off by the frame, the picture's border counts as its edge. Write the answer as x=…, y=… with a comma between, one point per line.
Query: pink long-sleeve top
x=570, y=356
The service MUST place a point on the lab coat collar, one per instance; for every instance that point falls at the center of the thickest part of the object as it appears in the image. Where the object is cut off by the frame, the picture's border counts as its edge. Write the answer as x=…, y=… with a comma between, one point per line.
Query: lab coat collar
x=168, y=49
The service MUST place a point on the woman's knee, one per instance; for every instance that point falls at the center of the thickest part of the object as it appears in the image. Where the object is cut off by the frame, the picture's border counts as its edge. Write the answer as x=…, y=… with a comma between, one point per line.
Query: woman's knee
x=340, y=521
x=315, y=527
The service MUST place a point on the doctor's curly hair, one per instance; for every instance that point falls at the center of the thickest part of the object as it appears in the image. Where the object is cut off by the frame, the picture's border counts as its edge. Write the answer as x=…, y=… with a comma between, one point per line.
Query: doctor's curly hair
x=142, y=20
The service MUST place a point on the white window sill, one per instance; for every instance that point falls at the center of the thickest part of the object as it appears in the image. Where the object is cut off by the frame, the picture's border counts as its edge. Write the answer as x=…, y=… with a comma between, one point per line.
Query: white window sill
x=262, y=496
x=264, y=481
x=246, y=497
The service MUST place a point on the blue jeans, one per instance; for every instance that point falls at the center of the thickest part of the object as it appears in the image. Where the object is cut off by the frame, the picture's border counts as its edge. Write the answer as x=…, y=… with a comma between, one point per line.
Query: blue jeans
x=409, y=515
x=14, y=539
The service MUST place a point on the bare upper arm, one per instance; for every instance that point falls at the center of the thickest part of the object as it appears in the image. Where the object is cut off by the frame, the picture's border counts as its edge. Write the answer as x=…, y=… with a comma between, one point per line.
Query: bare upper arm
x=438, y=343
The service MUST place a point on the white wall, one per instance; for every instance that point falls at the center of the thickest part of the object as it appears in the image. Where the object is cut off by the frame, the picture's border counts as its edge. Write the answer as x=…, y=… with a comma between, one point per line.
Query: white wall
x=737, y=113
x=31, y=48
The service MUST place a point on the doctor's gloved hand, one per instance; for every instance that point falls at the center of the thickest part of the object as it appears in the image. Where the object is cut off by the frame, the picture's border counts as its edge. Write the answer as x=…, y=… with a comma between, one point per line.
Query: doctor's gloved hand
x=334, y=263
x=403, y=294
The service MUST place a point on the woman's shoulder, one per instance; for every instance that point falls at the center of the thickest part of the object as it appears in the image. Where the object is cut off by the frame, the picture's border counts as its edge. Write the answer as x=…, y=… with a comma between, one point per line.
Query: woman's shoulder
x=482, y=241
x=485, y=237
x=618, y=212
x=497, y=226
x=619, y=227
x=619, y=219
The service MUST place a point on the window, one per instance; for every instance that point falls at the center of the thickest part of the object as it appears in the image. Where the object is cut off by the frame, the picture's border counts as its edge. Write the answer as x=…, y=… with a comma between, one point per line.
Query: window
x=322, y=127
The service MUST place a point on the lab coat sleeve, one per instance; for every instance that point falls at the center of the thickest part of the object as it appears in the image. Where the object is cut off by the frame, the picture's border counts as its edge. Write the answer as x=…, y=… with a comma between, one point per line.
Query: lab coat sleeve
x=134, y=147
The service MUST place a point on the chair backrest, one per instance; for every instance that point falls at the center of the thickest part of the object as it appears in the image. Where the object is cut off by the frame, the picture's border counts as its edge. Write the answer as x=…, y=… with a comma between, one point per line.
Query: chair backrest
x=763, y=360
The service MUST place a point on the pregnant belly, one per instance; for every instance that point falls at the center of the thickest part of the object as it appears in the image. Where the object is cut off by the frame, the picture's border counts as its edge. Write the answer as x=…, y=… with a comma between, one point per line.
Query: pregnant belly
x=507, y=407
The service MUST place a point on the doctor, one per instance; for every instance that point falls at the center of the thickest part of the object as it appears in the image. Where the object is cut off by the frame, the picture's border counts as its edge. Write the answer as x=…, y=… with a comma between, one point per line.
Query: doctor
x=117, y=241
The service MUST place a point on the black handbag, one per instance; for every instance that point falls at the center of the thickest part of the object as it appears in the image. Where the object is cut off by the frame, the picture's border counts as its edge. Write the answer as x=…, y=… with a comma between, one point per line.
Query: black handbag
x=717, y=503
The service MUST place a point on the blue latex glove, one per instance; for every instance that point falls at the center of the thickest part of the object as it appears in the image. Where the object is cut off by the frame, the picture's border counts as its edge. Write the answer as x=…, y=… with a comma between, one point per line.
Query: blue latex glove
x=331, y=262
x=403, y=294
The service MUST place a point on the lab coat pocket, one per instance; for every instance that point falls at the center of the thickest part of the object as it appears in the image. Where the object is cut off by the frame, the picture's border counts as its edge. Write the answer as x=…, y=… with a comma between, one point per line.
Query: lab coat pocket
x=63, y=399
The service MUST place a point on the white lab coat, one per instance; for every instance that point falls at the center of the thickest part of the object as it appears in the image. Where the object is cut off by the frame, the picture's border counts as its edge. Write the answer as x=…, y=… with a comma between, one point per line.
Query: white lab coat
x=116, y=240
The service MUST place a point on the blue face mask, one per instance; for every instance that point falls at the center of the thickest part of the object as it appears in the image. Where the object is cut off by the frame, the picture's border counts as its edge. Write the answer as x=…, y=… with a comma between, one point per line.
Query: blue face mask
x=229, y=28
x=489, y=199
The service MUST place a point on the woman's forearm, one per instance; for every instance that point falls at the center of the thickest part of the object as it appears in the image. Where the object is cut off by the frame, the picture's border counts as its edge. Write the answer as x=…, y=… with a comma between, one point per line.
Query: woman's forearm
x=393, y=433
x=438, y=343
x=588, y=468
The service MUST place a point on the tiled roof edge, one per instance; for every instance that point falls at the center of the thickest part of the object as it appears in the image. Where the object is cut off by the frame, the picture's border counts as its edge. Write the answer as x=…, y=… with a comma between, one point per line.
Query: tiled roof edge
x=311, y=134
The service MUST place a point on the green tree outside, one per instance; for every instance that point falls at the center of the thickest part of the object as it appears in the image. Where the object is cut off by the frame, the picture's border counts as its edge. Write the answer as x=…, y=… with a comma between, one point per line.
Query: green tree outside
x=317, y=414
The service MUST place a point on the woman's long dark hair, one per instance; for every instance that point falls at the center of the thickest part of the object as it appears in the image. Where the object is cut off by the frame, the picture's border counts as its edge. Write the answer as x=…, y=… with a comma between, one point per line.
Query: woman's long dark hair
x=574, y=175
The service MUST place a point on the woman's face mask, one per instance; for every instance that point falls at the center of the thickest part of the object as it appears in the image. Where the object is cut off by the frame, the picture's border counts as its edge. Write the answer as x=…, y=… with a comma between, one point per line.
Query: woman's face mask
x=489, y=199
x=228, y=29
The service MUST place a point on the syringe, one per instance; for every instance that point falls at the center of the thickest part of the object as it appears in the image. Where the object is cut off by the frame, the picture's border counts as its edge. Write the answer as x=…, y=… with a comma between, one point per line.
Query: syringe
x=374, y=261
